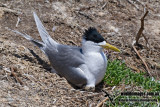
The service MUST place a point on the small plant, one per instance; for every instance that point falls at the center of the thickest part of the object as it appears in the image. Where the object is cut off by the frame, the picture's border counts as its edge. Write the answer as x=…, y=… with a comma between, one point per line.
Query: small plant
x=118, y=72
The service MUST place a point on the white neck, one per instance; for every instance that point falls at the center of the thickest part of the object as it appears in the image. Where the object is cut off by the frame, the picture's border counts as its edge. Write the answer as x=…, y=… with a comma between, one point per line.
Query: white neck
x=89, y=46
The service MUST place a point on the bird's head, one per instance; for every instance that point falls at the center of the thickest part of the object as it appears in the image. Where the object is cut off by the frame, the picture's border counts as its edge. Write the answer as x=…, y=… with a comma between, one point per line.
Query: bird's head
x=93, y=37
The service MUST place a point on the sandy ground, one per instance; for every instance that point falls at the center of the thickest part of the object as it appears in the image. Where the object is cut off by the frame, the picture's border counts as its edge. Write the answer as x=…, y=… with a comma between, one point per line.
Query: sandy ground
x=33, y=84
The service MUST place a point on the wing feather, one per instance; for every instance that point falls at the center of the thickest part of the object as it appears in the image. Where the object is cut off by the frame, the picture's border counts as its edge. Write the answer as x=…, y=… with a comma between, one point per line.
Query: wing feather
x=67, y=61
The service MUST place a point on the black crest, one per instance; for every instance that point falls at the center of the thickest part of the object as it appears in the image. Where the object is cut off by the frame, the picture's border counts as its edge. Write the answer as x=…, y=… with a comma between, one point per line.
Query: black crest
x=91, y=34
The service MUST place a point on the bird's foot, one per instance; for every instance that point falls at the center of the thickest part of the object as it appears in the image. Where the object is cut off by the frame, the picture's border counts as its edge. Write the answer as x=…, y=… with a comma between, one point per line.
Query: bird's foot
x=89, y=88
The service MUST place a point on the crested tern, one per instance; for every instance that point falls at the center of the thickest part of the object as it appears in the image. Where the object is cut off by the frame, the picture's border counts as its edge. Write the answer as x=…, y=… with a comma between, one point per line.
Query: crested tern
x=82, y=66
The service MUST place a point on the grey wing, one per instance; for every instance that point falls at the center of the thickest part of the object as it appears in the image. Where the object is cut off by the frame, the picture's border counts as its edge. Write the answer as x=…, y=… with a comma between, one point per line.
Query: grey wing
x=70, y=55
x=67, y=61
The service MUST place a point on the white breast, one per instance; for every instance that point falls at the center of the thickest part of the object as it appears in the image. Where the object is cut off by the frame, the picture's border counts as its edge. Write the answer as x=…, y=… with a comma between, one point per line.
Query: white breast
x=97, y=64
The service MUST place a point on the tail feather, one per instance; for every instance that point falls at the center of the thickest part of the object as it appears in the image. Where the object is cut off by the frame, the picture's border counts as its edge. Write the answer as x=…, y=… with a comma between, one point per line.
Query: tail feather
x=24, y=35
x=42, y=31
x=40, y=44
x=47, y=40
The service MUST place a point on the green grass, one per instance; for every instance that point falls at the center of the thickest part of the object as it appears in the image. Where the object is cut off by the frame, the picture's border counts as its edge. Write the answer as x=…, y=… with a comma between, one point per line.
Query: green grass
x=118, y=73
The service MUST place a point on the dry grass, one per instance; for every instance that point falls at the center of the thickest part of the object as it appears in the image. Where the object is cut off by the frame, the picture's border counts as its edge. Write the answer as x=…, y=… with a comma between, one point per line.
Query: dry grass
x=118, y=22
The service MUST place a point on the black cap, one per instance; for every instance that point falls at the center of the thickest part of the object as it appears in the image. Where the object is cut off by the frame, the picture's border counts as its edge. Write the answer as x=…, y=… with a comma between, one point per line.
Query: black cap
x=91, y=34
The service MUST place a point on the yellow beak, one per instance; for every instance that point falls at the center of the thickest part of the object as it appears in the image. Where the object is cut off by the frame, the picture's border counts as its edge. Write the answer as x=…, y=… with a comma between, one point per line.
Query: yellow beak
x=108, y=46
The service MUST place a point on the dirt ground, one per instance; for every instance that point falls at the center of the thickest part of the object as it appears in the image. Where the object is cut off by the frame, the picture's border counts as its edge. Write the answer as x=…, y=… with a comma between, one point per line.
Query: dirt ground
x=30, y=82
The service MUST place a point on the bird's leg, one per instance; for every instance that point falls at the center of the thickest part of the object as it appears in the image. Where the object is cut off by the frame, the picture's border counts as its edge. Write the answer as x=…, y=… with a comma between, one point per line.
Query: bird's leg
x=89, y=88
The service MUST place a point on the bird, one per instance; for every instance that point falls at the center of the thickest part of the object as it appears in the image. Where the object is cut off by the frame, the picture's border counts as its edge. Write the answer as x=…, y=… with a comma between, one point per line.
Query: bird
x=82, y=66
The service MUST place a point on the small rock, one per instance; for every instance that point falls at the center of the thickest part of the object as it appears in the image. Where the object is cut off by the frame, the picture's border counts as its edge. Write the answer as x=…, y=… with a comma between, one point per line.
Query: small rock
x=101, y=14
x=1, y=13
x=21, y=48
x=26, y=88
x=120, y=58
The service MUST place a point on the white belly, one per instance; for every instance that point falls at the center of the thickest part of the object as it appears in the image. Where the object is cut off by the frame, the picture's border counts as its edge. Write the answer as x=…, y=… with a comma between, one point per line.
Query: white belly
x=97, y=63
